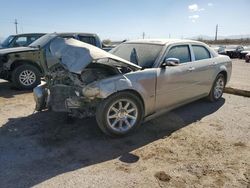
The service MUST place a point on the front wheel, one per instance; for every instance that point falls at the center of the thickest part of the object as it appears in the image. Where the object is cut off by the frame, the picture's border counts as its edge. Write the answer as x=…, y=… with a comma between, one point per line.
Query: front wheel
x=218, y=88
x=119, y=114
x=26, y=77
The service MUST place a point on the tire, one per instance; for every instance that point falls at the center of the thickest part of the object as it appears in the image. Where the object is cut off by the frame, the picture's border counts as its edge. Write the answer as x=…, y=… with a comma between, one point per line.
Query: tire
x=217, y=88
x=124, y=114
x=26, y=77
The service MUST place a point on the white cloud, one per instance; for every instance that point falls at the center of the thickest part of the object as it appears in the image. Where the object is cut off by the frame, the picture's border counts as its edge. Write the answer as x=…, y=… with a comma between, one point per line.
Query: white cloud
x=193, y=18
x=210, y=4
x=195, y=8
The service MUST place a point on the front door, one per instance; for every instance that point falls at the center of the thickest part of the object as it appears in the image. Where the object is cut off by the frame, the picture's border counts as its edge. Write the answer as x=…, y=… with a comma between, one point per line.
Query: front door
x=175, y=84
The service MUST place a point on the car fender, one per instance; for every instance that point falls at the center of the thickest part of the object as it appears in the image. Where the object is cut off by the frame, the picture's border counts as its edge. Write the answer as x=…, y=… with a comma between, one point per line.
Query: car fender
x=224, y=64
x=142, y=82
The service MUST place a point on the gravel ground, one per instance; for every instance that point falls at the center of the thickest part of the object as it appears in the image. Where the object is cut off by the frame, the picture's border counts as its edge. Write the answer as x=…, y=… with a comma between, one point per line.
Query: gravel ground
x=240, y=75
x=199, y=145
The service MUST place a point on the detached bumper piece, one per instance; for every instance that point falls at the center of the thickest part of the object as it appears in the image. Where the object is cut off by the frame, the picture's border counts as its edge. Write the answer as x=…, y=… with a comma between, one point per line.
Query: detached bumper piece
x=40, y=94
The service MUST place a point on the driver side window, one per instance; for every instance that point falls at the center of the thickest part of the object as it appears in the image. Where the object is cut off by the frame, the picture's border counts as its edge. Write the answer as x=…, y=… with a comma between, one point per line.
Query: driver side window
x=180, y=52
x=20, y=41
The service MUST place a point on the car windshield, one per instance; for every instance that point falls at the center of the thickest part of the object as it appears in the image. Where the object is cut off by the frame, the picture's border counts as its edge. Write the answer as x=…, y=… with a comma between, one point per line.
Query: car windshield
x=42, y=41
x=7, y=41
x=143, y=55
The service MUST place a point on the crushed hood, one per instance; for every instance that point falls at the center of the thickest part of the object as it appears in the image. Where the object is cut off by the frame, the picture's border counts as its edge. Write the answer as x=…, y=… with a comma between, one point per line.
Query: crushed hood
x=76, y=55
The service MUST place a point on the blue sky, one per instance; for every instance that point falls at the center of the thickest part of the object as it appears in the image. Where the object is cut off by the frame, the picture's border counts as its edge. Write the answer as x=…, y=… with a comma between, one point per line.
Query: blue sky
x=127, y=19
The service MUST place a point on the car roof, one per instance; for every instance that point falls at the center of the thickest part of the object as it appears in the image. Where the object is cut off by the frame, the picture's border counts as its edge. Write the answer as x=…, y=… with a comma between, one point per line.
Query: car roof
x=163, y=41
x=75, y=33
x=29, y=34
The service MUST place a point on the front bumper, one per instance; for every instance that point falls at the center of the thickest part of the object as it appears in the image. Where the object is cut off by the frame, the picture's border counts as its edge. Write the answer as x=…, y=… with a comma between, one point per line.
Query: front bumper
x=41, y=95
x=64, y=98
x=59, y=98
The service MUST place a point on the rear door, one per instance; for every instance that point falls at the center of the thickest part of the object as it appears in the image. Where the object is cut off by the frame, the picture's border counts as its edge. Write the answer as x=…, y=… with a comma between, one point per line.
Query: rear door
x=204, y=66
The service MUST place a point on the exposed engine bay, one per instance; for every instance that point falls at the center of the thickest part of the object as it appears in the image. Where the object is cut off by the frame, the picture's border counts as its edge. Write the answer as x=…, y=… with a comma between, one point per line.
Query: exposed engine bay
x=93, y=72
x=65, y=88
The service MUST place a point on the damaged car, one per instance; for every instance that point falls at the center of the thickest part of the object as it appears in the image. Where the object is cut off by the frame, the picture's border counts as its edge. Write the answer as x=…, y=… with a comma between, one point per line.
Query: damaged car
x=135, y=82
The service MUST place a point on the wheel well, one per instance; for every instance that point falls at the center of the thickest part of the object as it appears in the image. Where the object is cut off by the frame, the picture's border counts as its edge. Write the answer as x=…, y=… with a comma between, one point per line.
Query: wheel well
x=224, y=74
x=27, y=62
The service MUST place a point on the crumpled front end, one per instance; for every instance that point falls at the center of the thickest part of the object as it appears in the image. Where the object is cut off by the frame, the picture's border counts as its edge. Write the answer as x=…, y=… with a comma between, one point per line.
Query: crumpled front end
x=76, y=94
x=70, y=84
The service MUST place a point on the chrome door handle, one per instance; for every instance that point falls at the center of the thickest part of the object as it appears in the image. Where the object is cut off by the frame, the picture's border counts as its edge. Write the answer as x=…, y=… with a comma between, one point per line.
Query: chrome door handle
x=212, y=64
x=191, y=69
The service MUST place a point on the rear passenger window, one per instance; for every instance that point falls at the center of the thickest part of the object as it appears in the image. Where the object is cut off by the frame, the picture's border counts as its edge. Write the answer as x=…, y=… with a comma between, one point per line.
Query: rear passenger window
x=180, y=52
x=200, y=52
x=87, y=39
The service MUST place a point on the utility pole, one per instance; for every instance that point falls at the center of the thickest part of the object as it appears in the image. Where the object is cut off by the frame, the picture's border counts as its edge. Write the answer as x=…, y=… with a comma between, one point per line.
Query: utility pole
x=216, y=33
x=16, y=25
x=143, y=35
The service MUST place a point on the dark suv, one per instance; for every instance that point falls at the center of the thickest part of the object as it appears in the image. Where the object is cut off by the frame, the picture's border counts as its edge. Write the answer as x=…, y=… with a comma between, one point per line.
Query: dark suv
x=23, y=65
x=20, y=40
x=233, y=51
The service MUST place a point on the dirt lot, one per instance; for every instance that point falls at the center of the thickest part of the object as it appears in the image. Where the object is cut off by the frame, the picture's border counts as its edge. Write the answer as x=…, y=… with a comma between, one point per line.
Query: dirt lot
x=240, y=75
x=199, y=145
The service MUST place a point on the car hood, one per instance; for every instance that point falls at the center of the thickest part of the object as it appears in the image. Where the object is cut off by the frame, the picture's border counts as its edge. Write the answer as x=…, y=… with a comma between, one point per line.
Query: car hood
x=17, y=49
x=76, y=55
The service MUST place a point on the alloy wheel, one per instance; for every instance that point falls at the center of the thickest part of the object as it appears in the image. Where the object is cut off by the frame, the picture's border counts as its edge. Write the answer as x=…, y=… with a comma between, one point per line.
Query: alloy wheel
x=122, y=115
x=219, y=87
x=27, y=77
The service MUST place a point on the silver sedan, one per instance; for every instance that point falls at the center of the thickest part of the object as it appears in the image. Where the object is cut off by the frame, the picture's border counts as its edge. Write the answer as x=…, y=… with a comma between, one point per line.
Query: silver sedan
x=133, y=83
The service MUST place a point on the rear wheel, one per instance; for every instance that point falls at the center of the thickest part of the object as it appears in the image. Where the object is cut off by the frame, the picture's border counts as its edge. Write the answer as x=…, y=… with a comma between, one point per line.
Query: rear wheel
x=218, y=88
x=26, y=77
x=119, y=114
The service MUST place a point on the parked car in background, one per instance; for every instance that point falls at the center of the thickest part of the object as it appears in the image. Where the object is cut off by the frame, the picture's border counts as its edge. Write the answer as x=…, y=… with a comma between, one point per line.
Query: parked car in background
x=134, y=82
x=220, y=49
x=233, y=51
x=23, y=66
x=111, y=45
x=20, y=40
x=244, y=52
x=247, y=57
x=90, y=38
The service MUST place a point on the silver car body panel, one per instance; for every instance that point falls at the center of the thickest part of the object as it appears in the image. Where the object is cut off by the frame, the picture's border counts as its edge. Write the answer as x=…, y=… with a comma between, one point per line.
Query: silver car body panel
x=161, y=89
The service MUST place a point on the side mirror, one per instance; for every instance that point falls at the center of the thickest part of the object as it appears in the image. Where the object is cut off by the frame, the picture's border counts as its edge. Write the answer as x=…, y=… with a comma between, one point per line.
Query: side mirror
x=170, y=62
